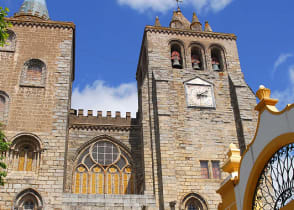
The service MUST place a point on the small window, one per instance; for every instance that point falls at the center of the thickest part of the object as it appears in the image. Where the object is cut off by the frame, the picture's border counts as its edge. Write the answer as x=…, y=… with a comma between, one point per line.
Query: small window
x=216, y=170
x=194, y=201
x=204, y=169
x=216, y=59
x=28, y=199
x=33, y=73
x=10, y=42
x=2, y=108
x=196, y=58
x=176, y=57
x=4, y=101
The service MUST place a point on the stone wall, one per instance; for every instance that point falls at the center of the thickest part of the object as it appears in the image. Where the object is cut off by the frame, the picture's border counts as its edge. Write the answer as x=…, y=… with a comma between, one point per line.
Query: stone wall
x=86, y=129
x=180, y=136
x=41, y=112
x=107, y=202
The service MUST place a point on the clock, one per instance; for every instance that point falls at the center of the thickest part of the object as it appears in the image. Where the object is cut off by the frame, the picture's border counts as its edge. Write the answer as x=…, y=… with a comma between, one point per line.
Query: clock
x=199, y=93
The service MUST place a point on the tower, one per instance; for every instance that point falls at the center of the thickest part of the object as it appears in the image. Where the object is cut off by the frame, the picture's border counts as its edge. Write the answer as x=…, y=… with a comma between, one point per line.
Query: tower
x=36, y=73
x=193, y=102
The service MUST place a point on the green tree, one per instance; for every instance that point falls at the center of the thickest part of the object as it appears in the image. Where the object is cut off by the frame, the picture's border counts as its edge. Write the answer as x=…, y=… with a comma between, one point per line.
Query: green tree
x=4, y=146
x=3, y=25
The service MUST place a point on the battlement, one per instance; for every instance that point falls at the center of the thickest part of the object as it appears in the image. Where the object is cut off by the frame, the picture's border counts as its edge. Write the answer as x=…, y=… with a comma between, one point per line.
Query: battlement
x=78, y=120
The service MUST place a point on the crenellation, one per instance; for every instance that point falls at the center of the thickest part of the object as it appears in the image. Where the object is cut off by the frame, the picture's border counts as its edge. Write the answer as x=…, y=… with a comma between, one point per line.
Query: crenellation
x=193, y=103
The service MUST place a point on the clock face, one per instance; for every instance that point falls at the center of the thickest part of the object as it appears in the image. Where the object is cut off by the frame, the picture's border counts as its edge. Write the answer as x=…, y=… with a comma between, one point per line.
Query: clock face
x=199, y=95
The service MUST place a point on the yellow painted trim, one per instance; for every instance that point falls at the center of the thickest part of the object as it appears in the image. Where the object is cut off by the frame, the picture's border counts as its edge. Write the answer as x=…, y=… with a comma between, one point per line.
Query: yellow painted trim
x=261, y=160
x=287, y=108
x=289, y=206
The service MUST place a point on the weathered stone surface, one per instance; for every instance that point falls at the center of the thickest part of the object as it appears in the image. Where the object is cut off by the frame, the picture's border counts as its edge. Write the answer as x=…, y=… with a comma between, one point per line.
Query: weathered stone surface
x=167, y=140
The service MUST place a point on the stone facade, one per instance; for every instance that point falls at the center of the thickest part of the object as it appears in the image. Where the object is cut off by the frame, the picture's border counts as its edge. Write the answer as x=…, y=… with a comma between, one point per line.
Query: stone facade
x=165, y=142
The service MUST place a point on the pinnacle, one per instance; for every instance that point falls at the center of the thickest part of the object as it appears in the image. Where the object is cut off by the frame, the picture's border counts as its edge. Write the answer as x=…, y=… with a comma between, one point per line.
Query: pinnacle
x=195, y=18
x=207, y=27
x=157, y=22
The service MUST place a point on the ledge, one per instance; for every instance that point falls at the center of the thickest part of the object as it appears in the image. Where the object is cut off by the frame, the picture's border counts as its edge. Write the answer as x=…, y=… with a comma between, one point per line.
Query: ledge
x=190, y=32
x=22, y=20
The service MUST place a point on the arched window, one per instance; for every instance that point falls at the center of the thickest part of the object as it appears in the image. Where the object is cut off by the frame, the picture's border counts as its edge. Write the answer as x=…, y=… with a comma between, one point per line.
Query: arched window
x=176, y=56
x=25, y=154
x=275, y=186
x=28, y=199
x=217, y=59
x=34, y=73
x=10, y=42
x=194, y=201
x=104, y=168
x=4, y=99
x=197, y=58
x=2, y=107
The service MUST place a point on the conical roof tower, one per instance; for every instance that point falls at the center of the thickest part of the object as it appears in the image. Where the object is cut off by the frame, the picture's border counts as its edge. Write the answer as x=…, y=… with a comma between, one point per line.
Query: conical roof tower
x=37, y=8
x=196, y=25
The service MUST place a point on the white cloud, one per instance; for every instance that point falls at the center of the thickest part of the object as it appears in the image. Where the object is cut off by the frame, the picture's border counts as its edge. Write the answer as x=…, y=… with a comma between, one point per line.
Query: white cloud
x=165, y=5
x=281, y=59
x=100, y=96
x=286, y=96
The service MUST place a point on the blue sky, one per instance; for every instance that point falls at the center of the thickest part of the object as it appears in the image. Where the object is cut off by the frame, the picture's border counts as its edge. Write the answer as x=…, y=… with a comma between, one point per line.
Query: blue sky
x=109, y=35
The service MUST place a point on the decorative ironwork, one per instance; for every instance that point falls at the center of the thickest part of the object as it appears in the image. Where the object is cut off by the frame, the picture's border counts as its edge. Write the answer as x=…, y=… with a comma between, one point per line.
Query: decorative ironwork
x=275, y=187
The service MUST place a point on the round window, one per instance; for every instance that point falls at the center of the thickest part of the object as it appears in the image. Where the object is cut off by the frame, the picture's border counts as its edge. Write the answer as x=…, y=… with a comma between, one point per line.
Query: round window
x=105, y=152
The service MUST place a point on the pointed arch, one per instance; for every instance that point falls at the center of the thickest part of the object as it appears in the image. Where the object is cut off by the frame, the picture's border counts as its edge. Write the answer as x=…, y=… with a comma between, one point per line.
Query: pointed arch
x=28, y=198
x=103, y=165
x=193, y=201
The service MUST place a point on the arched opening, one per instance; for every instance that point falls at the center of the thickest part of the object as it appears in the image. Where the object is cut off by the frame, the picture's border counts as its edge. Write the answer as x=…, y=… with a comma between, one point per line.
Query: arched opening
x=25, y=154
x=176, y=56
x=197, y=58
x=194, y=201
x=10, y=42
x=4, y=105
x=33, y=73
x=217, y=59
x=104, y=167
x=275, y=187
x=2, y=108
x=28, y=199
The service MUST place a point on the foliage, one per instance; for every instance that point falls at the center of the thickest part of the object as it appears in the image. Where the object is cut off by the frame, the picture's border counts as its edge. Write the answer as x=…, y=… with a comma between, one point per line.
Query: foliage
x=4, y=146
x=3, y=25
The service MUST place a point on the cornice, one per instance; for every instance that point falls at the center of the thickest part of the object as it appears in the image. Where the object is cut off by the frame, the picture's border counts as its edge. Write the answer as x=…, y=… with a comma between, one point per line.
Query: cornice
x=104, y=127
x=32, y=21
x=190, y=32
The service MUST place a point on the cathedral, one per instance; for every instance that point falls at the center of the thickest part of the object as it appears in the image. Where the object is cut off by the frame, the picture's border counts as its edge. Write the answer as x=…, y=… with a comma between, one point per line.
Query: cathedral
x=193, y=102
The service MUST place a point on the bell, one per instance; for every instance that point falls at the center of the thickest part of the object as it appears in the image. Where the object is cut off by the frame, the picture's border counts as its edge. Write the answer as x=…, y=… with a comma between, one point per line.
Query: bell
x=215, y=67
x=176, y=62
x=196, y=66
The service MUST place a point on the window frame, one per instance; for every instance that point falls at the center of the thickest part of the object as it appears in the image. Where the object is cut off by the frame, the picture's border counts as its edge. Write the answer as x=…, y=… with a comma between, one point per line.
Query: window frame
x=203, y=176
x=11, y=46
x=6, y=107
x=24, y=82
x=106, y=174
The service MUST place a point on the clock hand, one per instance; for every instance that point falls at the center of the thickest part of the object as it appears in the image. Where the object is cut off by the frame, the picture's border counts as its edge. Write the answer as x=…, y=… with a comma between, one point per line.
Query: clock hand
x=202, y=94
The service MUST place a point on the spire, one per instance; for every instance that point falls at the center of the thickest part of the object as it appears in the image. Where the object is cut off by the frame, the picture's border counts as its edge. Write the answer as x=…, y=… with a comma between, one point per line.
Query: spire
x=157, y=23
x=36, y=8
x=196, y=25
x=179, y=21
x=207, y=27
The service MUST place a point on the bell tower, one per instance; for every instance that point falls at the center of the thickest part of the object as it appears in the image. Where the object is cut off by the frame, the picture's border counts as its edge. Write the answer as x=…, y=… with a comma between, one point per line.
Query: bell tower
x=193, y=103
